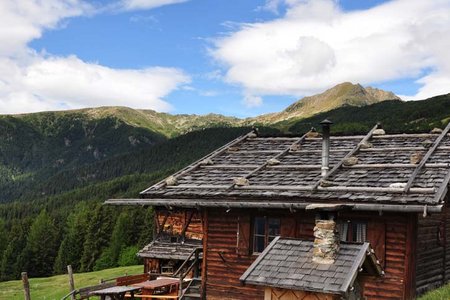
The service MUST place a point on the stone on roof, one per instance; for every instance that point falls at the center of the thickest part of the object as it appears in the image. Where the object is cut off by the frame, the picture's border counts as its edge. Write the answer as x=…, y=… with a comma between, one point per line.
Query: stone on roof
x=287, y=263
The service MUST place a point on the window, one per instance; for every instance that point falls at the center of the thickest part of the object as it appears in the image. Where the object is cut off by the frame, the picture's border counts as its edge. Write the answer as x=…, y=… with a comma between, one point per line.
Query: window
x=264, y=231
x=353, y=231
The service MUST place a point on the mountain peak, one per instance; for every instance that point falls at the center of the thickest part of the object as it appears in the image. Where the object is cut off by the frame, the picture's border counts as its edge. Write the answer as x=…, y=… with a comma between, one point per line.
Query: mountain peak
x=343, y=94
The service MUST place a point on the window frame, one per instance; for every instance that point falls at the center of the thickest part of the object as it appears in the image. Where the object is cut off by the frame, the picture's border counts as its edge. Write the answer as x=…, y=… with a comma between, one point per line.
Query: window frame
x=350, y=230
x=268, y=238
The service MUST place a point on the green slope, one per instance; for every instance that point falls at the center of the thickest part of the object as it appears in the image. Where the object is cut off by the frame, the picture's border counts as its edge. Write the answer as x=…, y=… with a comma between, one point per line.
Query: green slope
x=56, y=287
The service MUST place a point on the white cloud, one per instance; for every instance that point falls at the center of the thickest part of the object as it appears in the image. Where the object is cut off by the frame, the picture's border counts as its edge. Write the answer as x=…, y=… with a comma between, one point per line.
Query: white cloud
x=147, y=4
x=251, y=101
x=315, y=45
x=31, y=81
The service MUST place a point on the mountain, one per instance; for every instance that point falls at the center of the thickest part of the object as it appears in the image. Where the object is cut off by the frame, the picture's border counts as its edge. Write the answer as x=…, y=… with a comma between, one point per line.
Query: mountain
x=344, y=94
x=163, y=123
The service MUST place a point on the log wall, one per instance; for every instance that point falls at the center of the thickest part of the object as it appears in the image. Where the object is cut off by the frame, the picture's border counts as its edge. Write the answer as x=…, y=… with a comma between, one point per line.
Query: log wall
x=397, y=266
x=433, y=251
x=430, y=254
x=224, y=265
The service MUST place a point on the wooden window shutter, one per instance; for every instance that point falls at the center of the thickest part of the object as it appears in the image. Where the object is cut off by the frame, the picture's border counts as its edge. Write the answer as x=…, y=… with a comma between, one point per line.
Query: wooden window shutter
x=376, y=235
x=243, y=235
x=288, y=226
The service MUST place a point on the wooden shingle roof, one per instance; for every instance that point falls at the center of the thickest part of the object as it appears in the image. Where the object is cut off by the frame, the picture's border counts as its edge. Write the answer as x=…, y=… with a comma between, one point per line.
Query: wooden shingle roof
x=287, y=263
x=165, y=249
x=252, y=171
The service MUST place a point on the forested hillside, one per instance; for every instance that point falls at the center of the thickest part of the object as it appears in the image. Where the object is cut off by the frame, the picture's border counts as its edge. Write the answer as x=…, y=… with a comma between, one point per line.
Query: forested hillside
x=65, y=222
x=57, y=168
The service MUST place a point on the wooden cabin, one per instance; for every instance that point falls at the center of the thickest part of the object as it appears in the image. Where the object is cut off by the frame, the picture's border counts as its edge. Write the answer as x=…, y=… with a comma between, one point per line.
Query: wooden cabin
x=387, y=192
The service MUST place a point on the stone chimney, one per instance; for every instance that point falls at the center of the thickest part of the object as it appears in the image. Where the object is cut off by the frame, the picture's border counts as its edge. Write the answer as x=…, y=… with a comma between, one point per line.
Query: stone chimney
x=326, y=241
x=326, y=124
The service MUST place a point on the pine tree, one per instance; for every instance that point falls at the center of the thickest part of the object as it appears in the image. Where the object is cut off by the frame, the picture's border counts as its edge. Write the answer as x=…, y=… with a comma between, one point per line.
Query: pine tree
x=3, y=237
x=10, y=265
x=40, y=251
x=71, y=248
x=98, y=236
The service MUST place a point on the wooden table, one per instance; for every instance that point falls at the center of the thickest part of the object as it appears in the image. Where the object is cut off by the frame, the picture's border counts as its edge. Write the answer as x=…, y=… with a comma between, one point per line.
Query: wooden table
x=152, y=287
x=115, y=292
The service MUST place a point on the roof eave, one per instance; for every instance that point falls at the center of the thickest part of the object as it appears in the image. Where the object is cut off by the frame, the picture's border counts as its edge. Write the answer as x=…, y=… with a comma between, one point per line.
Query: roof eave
x=190, y=203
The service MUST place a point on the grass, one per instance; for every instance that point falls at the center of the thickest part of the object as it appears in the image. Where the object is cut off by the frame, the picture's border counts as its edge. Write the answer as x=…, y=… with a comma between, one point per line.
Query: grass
x=56, y=287
x=442, y=293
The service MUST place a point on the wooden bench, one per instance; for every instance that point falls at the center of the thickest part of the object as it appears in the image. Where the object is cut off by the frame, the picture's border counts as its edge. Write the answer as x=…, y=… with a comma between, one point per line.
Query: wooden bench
x=131, y=279
x=86, y=292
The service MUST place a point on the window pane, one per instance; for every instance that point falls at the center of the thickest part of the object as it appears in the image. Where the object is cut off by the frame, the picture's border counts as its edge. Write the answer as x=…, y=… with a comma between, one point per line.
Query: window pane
x=343, y=231
x=274, y=228
x=258, y=245
x=260, y=224
x=359, y=232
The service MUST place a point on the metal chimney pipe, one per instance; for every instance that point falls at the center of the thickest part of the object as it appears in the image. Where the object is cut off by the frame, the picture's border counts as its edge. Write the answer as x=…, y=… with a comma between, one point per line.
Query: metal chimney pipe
x=326, y=124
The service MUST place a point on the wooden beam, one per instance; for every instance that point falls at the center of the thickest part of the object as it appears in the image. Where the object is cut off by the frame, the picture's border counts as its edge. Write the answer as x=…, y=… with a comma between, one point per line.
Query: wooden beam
x=376, y=166
x=390, y=149
x=407, y=135
x=426, y=157
x=233, y=166
x=200, y=187
x=443, y=189
x=337, y=189
x=161, y=227
x=351, y=153
x=406, y=207
x=186, y=224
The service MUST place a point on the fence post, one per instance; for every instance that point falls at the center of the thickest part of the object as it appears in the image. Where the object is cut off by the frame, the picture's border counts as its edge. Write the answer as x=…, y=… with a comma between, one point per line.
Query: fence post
x=26, y=286
x=71, y=281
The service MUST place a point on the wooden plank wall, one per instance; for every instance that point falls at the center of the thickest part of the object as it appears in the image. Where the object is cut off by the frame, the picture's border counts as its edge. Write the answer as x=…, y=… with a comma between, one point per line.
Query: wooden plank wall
x=177, y=219
x=393, y=284
x=283, y=294
x=446, y=234
x=430, y=253
x=224, y=266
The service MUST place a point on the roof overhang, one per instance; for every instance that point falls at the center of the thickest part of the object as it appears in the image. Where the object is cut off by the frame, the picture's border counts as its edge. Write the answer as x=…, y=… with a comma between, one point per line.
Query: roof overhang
x=189, y=203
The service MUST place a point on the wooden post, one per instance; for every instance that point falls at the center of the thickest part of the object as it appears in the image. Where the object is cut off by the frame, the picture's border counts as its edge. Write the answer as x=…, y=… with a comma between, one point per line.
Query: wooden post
x=196, y=268
x=71, y=281
x=26, y=286
x=180, y=288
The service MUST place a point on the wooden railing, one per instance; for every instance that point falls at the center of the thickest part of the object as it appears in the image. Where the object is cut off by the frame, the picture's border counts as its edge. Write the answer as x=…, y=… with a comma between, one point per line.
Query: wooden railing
x=182, y=275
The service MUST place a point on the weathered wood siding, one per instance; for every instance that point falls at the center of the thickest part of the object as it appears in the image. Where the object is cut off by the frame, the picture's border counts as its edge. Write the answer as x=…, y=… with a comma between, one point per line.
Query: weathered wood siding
x=446, y=241
x=224, y=265
x=397, y=265
x=283, y=294
x=430, y=253
x=177, y=220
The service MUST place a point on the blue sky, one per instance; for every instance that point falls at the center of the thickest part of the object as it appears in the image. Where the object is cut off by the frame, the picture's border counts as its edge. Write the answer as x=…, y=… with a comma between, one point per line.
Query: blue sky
x=240, y=58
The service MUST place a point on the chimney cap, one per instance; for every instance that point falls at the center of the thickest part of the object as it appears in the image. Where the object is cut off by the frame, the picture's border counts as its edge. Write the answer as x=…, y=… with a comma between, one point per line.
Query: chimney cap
x=326, y=122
